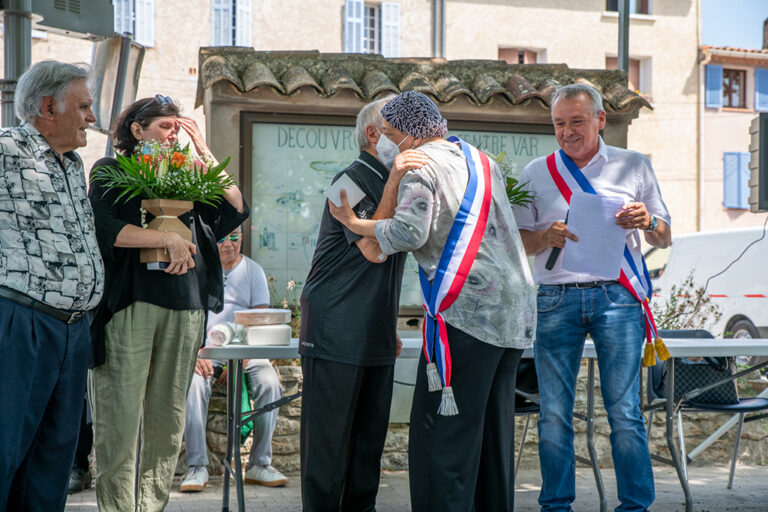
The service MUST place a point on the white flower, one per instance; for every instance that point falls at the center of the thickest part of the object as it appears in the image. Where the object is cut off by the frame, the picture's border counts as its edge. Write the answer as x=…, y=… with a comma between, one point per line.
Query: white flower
x=291, y=284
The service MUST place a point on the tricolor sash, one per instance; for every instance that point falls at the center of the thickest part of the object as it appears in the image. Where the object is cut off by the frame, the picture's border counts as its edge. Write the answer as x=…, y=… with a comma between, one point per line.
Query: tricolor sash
x=633, y=274
x=455, y=262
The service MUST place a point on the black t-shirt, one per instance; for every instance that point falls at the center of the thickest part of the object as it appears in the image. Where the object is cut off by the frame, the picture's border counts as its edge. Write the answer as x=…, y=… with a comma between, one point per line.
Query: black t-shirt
x=128, y=281
x=349, y=305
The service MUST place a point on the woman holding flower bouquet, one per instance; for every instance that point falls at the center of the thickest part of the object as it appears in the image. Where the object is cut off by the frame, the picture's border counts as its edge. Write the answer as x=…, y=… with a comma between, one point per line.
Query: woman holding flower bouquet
x=151, y=322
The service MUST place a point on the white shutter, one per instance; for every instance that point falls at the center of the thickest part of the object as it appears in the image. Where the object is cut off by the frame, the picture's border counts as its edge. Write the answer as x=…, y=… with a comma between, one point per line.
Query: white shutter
x=390, y=29
x=123, y=16
x=145, y=22
x=244, y=22
x=221, y=22
x=353, y=26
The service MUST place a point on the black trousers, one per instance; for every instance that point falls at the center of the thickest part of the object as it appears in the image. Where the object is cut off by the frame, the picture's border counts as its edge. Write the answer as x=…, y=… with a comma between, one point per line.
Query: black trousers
x=344, y=421
x=465, y=463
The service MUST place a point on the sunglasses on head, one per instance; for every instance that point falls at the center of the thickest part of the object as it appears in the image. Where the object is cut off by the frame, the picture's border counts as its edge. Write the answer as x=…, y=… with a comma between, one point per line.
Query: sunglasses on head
x=158, y=99
x=234, y=237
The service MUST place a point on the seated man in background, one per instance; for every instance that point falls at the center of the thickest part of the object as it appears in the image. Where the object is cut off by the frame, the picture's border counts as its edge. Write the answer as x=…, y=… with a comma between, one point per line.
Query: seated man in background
x=245, y=287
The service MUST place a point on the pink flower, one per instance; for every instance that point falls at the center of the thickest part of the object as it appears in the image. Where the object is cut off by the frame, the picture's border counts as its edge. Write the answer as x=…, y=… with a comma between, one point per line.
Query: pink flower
x=199, y=164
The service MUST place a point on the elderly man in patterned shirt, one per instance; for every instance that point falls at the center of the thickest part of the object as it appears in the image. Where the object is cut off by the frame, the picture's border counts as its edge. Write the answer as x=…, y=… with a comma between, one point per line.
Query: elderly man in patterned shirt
x=51, y=273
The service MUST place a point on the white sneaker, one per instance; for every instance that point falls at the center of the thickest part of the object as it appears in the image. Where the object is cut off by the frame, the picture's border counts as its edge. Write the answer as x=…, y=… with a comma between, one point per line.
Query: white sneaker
x=265, y=475
x=195, y=480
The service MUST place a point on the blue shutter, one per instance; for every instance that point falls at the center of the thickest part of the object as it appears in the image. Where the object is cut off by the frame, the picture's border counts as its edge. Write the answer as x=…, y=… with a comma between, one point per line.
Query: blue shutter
x=353, y=26
x=744, y=181
x=731, y=180
x=390, y=29
x=761, y=89
x=713, y=97
x=736, y=180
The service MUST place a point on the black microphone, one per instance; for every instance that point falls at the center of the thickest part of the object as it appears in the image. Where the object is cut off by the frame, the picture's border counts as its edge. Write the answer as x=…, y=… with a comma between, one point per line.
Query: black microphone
x=555, y=252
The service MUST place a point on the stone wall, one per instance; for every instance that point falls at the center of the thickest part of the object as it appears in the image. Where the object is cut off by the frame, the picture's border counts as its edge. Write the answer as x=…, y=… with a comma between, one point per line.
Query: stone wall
x=697, y=427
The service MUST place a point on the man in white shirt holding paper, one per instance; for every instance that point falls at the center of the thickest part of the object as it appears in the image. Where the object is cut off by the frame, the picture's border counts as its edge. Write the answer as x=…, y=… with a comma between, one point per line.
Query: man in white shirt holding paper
x=571, y=304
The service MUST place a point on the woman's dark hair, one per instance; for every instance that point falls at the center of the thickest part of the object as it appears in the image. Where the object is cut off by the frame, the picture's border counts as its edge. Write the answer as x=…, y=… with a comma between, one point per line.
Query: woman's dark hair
x=142, y=111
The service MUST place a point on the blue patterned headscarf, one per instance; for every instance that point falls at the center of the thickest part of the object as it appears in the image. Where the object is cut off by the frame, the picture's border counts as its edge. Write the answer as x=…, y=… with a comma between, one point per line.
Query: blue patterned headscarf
x=414, y=114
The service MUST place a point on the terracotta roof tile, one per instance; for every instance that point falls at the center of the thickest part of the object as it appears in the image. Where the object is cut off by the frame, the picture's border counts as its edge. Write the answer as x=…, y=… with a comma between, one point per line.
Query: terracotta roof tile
x=337, y=78
x=735, y=49
x=296, y=77
x=369, y=76
x=258, y=74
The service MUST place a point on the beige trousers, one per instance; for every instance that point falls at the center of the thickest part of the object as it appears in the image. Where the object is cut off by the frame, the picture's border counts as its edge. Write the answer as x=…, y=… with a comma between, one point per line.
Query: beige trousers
x=150, y=358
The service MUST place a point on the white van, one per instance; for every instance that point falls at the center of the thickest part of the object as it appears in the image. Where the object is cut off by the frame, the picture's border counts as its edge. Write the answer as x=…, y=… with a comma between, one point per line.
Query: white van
x=741, y=291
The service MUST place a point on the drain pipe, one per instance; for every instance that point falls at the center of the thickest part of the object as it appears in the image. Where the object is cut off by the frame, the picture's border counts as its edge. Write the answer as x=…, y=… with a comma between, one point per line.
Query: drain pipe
x=435, y=29
x=442, y=28
x=438, y=28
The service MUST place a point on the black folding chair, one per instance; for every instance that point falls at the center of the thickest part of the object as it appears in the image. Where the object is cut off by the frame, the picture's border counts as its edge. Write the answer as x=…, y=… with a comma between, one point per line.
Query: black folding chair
x=688, y=403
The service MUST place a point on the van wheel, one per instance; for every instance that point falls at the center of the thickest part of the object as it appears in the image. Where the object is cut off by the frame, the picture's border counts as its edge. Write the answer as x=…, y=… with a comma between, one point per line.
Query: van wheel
x=743, y=329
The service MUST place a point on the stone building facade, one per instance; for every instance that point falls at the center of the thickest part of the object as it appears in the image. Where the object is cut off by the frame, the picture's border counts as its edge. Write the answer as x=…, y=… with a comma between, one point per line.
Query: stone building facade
x=664, y=40
x=735, y=91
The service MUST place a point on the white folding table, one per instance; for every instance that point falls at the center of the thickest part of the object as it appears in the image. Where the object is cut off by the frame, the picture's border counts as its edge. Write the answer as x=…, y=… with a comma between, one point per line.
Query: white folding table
x=678, y=347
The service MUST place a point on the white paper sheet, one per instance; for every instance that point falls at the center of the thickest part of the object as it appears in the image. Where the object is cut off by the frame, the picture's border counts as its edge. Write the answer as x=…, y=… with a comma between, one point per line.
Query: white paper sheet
x=601, y=241
x=354, y=194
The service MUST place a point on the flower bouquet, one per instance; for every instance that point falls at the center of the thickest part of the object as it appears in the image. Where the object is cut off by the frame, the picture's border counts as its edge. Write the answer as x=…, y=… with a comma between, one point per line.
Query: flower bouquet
x=169, y=179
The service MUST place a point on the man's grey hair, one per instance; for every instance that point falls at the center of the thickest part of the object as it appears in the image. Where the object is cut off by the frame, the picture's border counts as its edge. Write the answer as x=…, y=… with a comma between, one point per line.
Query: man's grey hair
x=369, y=114
x=46, y=78
x=571, y=91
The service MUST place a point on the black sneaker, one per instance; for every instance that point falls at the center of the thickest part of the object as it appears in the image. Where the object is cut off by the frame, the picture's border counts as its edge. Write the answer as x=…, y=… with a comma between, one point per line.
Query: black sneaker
x=79, y=480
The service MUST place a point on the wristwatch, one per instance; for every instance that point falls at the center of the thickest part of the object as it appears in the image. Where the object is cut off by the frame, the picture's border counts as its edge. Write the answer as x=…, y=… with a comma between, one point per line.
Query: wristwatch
x=652, y=224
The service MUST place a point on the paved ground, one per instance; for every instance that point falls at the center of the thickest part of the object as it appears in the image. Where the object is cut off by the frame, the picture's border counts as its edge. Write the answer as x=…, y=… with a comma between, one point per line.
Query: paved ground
x=750, y=493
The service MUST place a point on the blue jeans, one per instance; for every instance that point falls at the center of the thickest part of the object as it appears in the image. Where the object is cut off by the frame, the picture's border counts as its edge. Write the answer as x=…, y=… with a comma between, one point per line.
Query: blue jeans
x=614, y=320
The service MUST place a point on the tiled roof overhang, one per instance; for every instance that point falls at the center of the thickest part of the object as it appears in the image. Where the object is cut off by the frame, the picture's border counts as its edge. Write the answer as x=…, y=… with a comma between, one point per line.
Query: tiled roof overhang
x=368, y=76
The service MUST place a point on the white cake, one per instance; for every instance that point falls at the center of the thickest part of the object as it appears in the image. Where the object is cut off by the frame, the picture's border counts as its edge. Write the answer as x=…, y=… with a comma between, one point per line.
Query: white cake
x=279, y=334
x=263, y=316
x=222, y=334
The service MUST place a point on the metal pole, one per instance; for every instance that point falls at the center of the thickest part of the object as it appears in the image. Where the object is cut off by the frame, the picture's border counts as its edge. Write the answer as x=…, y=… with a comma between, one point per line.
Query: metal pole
x=17, y=27
x=623, y=60
x=117, y=98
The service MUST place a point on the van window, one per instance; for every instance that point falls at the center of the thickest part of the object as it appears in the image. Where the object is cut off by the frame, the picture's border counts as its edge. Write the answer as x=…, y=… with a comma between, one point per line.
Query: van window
x=656, y=260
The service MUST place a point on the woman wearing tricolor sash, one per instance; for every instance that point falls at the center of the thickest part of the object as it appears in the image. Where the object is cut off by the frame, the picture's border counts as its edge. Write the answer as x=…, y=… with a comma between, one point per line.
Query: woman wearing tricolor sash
x=612, y=307
x=480, y=312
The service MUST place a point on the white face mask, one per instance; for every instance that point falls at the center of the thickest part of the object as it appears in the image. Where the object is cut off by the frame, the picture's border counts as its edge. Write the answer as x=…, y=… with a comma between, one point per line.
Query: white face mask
x=387, y=150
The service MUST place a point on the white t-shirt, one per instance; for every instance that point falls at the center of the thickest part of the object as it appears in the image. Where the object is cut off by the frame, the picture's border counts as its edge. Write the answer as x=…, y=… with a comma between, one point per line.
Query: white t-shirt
x=244, y=287
x=612, y=172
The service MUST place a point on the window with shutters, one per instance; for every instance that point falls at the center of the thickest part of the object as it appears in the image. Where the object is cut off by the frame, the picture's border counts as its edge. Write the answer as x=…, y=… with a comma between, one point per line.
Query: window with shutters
x=136, y=17
x=372, y=28
x=231, y=23
x=736, y=180
x=734, y=94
